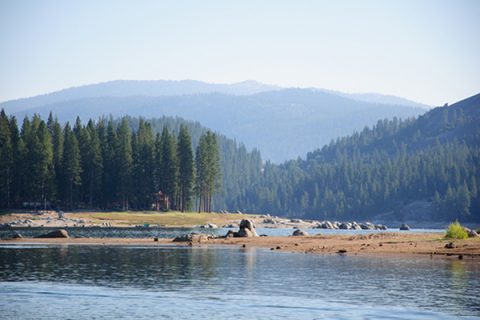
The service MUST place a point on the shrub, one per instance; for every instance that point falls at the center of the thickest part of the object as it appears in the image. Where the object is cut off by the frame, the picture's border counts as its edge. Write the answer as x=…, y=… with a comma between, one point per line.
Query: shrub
x=456, y=231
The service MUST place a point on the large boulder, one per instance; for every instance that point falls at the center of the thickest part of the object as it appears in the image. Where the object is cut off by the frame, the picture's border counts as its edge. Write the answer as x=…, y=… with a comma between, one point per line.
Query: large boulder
x=245, y=233
x=247, y=223
x=404, y=227
x=61, y=233
x=247, y=230
x=300, y=232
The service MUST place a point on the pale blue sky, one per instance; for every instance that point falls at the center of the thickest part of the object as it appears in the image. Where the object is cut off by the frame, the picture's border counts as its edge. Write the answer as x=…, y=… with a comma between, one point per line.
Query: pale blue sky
x=427, y=51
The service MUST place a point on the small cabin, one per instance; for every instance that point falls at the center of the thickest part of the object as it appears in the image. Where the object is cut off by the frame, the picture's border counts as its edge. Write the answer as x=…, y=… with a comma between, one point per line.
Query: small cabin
x=162, y=201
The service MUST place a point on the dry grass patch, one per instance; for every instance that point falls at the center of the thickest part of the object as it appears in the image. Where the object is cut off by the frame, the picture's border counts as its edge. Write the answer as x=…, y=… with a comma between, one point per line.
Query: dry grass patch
x=173, y=218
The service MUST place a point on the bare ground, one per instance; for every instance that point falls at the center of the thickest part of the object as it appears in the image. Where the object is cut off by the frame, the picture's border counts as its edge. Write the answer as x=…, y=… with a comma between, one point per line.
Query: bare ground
x=372, y=244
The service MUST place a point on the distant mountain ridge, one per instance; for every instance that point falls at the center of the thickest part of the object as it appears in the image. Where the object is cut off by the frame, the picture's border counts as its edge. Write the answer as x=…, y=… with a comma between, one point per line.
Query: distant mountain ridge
x=281, y=123
x=155, y=88
x=127, y=88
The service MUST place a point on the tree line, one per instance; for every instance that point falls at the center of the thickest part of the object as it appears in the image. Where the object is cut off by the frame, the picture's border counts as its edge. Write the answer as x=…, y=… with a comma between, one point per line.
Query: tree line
x=105, y=164
x=432, y=160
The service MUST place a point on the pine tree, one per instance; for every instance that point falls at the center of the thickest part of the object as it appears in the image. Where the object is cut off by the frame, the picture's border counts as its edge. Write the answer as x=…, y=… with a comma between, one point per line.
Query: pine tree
x=143, y=165
x=186, y=168
x=124, y=162
x=167, y=167
x=208, y=170
x=6, y=160
x=45, y=164
x=109, y=142
x=71, y=166
x=93, y=164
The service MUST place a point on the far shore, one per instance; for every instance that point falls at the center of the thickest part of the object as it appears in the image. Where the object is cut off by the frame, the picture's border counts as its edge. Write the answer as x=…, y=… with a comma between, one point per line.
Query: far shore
x=385, y=243
x=130, y=219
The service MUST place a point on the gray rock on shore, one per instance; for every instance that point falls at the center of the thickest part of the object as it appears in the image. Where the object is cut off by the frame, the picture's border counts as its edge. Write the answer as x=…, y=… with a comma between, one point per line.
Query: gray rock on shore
x=472, y=234
x=60, y=233
x=350, y=225
x=193, y=237
x=300, y=232
x=404, y=227
x=209, y=226
x=247, y=230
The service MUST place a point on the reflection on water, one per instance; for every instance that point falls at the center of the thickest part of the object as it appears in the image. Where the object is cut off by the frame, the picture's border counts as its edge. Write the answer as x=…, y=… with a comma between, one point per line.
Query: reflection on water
x=223, y=282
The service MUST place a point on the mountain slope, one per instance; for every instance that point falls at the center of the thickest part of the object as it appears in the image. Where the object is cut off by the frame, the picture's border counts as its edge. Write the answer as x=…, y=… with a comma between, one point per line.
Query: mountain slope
x=128, y=88
x=426, y=169
x=282, y=124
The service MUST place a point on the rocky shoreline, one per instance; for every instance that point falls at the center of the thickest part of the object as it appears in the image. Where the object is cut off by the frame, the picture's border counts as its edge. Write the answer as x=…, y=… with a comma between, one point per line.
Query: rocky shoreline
x=299, y=241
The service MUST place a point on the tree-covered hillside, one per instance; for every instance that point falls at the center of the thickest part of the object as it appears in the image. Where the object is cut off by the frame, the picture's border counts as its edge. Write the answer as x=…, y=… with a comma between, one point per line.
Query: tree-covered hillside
x=120, y=163
x=382, y=170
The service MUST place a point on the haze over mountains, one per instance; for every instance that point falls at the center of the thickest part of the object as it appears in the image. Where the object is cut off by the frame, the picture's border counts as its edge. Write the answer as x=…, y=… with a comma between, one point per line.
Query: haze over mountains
x=283, y=123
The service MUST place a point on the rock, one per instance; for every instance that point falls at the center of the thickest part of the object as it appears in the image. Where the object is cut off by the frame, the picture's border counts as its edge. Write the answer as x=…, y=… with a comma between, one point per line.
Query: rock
x=245, y=233
x=404, y=227
x=472, y=234
x=342, y=251
x=450, y=245
x=247, y=230
x=367, y=226
x=231, y=234
x=344, y=226
x=380, y=227
x=209, y=226
x=61, y=233
x=269, y=221
x=296, y=221
x=247, y=223
x=356, y=226
x=300, y=232
x=16, y=235
x=193, y=237
x=326, y=225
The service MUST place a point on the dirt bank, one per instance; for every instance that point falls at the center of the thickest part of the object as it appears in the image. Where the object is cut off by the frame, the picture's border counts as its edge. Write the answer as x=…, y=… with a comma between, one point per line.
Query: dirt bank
x=371, y=244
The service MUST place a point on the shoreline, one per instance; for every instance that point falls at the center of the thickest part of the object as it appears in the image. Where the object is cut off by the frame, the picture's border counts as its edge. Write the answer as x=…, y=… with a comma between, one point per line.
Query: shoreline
x=378, y=244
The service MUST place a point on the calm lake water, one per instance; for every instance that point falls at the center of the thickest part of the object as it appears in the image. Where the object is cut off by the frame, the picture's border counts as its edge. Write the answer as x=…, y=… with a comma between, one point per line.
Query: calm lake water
x=168, y=282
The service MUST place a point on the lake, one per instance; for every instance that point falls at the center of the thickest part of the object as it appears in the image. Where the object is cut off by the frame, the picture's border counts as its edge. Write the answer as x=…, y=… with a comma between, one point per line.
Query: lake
x=219, y=282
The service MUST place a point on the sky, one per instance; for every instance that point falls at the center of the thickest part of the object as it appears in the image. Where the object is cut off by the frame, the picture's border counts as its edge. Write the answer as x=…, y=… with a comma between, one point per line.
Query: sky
x=426, y=51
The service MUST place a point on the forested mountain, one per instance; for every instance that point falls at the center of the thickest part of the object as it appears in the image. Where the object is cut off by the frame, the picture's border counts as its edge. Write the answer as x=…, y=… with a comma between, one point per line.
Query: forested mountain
x=424, y=169
x=121, y=163
x=282, y=124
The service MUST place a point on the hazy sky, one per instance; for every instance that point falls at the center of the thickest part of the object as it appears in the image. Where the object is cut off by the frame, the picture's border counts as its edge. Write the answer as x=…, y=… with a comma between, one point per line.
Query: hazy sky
x=427, y=51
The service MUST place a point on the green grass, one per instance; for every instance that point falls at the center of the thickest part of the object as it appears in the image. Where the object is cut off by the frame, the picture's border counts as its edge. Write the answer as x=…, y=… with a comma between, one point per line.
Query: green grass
x=456, y=231
x=171, y=218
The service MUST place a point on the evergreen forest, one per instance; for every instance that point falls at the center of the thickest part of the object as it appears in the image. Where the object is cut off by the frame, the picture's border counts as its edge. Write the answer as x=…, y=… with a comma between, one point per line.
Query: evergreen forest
x=124, y=163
